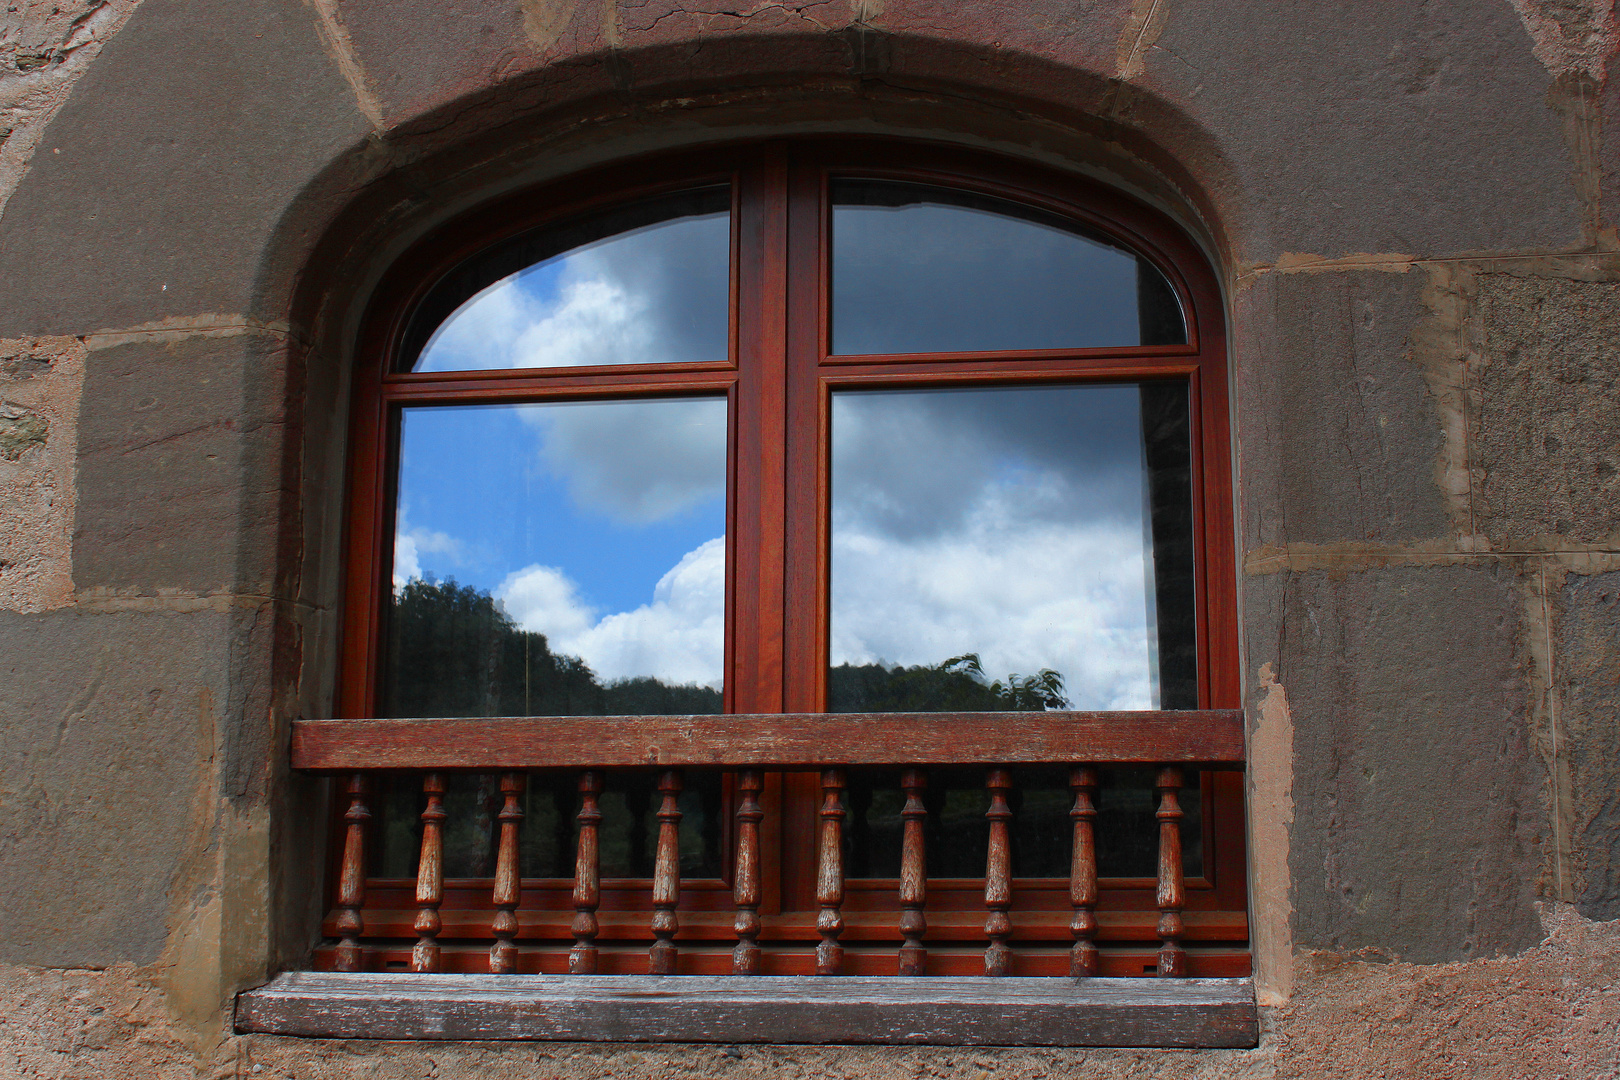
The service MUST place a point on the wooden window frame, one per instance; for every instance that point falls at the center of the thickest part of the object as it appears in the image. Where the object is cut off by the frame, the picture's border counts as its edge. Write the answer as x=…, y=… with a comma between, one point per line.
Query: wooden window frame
x=778, y=380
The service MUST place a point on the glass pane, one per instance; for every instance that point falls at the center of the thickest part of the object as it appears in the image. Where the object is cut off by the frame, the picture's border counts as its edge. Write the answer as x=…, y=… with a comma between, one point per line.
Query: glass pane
x=559, y=559
x=1011, y=548
x=648, y=283
x=925, y=269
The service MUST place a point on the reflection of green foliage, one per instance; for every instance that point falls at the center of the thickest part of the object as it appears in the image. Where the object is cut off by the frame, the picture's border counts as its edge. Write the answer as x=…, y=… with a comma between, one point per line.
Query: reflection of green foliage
x=955, y=685
x=454, y=651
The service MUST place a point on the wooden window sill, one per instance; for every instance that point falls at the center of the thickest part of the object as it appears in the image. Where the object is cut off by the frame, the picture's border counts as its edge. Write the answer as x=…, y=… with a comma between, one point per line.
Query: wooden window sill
x=951, y=1011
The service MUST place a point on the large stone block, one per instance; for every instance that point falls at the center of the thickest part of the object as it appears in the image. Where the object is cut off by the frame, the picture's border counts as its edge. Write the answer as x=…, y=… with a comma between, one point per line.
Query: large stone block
x=1547, y=445
x=180, y=447
x=1587, y=673
x=1421, y=128
x=1338, y=431
x=106, y=793
x=157, y=185
x=1417, y=806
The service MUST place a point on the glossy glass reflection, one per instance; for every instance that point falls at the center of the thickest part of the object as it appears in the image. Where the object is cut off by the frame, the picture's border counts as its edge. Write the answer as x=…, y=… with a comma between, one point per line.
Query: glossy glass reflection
x=648, y=283
x=559, y=559
x=924, y=269
x=1012, y=548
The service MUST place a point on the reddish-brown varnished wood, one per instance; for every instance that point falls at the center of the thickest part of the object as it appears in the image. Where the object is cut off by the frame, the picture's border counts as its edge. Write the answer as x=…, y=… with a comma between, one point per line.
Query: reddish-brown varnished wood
x=913, y=873
x=830, y=874
x=666, y=885
x=352, y=879
x=587, y=882
x=430, y=876
x=1213, y=738
x=745, y=886
x=1083, y=873
x=1172, y=891
x=508, y=879
x=998, y=874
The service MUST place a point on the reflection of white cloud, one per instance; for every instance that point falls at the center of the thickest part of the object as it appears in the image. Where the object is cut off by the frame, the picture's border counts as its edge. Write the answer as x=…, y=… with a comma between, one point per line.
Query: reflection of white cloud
x=1024, y=595
x=636, y=462
x=411, y=544
x=650, y=295
x=679, y=637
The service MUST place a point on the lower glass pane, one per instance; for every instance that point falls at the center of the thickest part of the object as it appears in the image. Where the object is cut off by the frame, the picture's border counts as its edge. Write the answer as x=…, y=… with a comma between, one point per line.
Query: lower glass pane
x=1012, y=548
x=562, y=559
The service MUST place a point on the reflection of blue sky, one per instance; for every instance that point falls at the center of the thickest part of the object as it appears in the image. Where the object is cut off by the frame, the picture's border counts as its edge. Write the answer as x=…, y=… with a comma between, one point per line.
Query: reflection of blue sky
x=1007, y=522
x=925, y=277
x=573, y=514
x=657, y=294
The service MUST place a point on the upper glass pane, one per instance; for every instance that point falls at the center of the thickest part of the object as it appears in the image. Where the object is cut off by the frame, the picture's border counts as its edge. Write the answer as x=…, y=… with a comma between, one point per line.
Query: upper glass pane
x=559, y=559
x=1012, y=548
x=648, y=283
x=919, y=269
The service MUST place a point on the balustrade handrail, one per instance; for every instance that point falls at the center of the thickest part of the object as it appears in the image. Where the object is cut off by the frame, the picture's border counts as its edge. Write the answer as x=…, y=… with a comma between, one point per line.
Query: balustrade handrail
x=1210, y=738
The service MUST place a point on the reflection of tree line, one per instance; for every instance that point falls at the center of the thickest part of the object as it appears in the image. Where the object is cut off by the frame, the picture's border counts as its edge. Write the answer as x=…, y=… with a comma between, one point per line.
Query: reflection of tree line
x=454, y=651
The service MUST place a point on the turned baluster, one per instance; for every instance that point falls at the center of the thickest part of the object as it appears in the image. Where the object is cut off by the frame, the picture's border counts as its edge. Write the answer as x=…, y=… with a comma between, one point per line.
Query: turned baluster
x=913, y=873
x=745, y=891
x=352, y=877
x=1083, y=874
x=508, y=882
x=666, y=890
x=1172, y=957
x=430, y=877
x=998, y=875
x=587, y=879
x=830, y=874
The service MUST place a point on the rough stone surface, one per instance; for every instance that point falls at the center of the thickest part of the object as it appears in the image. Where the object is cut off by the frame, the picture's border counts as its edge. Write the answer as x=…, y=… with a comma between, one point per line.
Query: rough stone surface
x=1422, y=130
x=107, y=757
x=40, y=382
x=173, y=449
x=44, y=48
x=180, y=149
x=1339, y=431
x=1550, y=1012
x=1588, y=684
x=1417, y=817
x=1548, y=431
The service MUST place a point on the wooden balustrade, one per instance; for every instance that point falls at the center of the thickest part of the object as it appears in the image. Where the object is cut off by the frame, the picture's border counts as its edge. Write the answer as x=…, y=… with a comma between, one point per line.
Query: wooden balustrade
x=827, y=743
x=352, y=875
x=830, y=874
x=430, y=877
x=587, y=876
x=1083, y=874
x=666, y=884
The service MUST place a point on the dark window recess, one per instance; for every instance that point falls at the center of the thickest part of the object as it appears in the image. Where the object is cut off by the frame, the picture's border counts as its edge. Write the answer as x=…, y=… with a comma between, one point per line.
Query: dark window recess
x=1042, y=832
x=628, y=833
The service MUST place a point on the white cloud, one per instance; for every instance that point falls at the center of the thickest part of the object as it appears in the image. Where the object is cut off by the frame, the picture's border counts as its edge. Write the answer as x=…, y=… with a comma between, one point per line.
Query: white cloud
x=411, y=544
x=679, y=637
x=1023, y=595
x=636, y=462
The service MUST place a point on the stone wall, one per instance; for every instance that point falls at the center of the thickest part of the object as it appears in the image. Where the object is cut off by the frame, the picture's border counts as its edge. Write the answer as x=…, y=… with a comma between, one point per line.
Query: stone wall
x=1413, y=210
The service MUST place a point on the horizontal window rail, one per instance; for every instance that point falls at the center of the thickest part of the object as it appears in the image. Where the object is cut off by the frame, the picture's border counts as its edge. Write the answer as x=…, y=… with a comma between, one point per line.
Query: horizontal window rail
x=751, y=745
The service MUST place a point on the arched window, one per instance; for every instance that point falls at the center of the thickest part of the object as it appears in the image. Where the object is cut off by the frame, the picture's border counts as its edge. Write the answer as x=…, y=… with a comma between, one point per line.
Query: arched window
x=802, y=428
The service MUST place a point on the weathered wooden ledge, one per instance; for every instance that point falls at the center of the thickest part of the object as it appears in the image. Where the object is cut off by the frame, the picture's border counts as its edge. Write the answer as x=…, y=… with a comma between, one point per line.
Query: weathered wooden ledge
x=1187, y=1013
